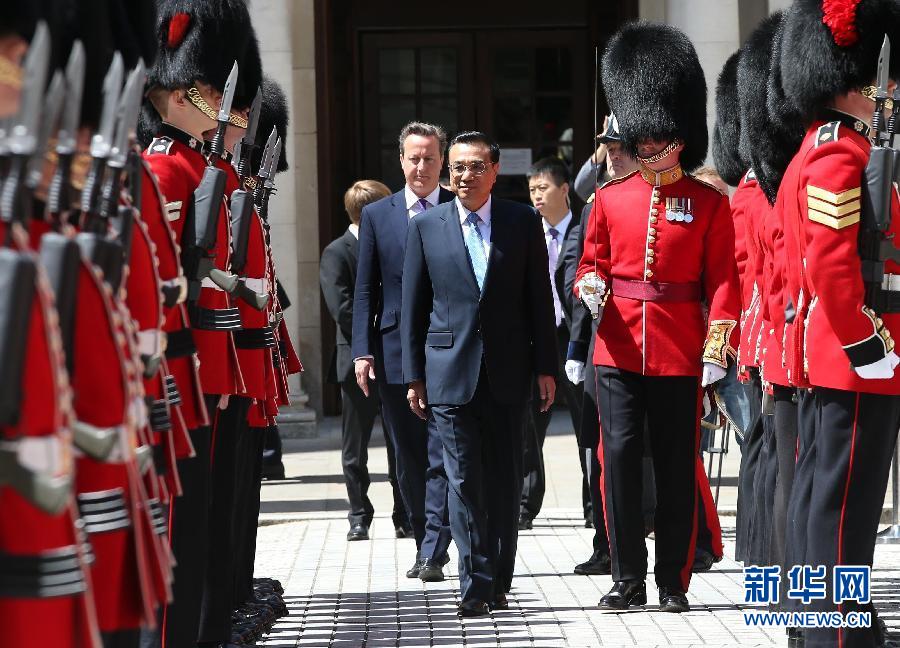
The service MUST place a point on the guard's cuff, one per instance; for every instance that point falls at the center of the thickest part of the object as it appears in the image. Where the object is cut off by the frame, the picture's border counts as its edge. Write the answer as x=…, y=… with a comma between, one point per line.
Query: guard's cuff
x=577, y=351
x=717, y=347
x=873, y=348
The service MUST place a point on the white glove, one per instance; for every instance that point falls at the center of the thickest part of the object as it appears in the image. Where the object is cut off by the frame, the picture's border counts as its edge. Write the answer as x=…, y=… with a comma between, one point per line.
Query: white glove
x=591, y=289
x=882, y=369
x=575, y=371
x=707, y=405
x=712, y=373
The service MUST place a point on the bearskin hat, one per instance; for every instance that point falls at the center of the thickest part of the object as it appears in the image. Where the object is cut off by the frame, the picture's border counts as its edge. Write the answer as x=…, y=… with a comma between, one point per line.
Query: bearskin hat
x=727, y=131
x=274, y=112
x=655, y=86
x=199, y=40
x=832, y=46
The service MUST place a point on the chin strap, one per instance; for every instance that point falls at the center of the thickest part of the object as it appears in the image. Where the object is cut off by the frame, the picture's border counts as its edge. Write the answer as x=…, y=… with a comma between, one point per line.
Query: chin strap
x=662, y=154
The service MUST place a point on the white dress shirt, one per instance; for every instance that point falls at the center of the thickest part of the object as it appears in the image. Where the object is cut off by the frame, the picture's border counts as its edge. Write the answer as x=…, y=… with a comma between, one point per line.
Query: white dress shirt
x=354, y=229
x=413, y=206
x=484, y=212
x=554, y=252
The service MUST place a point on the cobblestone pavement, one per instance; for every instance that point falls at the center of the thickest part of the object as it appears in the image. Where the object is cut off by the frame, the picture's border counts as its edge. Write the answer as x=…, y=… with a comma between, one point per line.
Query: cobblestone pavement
x=356, y=594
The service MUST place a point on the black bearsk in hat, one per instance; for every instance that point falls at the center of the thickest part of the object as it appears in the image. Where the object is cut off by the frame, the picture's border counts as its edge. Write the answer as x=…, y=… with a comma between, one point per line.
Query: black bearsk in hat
x=831, y=47
x=274, y=112
x=655, y=86
x=727, y=131
x=769, y=140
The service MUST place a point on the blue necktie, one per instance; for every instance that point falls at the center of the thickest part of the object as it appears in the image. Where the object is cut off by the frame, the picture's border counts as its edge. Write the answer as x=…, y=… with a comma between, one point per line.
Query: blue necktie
x=475, y=246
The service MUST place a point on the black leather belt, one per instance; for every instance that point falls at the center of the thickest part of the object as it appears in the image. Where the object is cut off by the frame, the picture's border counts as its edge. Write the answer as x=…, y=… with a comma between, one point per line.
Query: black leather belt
x=45, y=575
x=159, y=516
x=180, y=344
x=257, y=338
x=159, y=415
x=104, y=511
x=882, y=301
x=218, y=319
x=172, y=393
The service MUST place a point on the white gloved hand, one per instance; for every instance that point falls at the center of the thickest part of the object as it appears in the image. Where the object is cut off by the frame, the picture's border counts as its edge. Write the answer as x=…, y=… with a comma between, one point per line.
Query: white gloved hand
x=575, y=371
x=591, y=290
x=712, y=373
x=880, y=370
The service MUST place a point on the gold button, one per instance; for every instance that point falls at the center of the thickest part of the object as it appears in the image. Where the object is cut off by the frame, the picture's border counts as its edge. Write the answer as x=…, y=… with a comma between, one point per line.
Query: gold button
x=653, y=219
x=650, y=253
x=652, y=231
x=648, y=274
x=651, y=240
x=654, y=211
x=649, y=260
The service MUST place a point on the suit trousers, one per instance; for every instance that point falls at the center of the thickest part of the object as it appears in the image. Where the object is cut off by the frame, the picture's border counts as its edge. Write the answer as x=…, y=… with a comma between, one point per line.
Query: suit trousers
x=750, y=449
x=215, y=612
x=855, y=435
x=398, y=516
x=534, y=484
x=786, y=454
x=670, y=406
x=482, y=442
x=358, y=414
x=437, y=513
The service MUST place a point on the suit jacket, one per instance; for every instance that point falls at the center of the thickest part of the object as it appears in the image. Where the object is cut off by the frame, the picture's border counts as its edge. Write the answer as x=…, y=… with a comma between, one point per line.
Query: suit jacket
x=376, y=303
x=448, y=326
x=559, y=275
x=580, y=329
x=337, y=276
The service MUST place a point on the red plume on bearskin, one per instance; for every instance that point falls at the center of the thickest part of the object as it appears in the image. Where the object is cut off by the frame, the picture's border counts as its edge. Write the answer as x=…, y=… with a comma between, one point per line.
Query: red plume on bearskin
x=178, y=27
x=840, y=16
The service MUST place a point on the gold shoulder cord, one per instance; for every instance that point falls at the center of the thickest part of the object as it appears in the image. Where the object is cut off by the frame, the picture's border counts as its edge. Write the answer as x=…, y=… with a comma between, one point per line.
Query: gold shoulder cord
x=193, y=94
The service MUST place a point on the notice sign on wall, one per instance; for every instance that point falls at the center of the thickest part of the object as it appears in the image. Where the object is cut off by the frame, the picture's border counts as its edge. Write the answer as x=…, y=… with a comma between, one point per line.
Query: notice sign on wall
x=515, y=161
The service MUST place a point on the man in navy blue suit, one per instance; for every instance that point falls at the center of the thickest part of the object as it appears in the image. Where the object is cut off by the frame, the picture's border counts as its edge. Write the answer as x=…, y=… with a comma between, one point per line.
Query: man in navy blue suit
x=375, y=346
x=477, y=325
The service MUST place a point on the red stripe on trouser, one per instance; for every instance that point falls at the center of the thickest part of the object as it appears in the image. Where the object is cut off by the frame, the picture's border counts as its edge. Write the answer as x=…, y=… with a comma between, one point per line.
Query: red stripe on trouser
x=689, y=562
x=709, y=506
x=600, y=459
x=840, y=554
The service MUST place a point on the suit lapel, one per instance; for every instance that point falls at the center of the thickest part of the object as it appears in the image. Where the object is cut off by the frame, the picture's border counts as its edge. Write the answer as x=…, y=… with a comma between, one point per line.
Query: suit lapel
x=399, y=219
x=454, y=235
x=498, y=239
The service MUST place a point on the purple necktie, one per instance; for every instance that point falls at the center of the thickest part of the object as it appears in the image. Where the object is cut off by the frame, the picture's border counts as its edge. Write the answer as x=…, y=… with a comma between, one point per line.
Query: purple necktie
x=424, y=204
x=553, y=257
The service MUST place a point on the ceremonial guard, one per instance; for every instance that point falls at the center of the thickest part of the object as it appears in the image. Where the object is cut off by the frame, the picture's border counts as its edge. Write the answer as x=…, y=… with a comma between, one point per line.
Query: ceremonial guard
x=644, y=277
x=839, y=210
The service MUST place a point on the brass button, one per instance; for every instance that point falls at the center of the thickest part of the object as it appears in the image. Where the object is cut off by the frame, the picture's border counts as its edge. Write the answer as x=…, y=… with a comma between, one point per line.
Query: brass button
x=653, y=219
x=650, y=253
x=652, y=231
x=650, y=260
x=654, y=211
x=648, y=274
x=651, y=240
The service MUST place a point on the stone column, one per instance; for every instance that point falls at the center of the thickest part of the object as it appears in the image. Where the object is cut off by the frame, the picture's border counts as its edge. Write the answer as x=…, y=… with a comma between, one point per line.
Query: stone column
x=286, y=33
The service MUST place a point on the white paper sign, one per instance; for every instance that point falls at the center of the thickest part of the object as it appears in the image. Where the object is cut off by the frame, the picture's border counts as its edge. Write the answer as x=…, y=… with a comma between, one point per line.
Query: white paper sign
x=515, y=161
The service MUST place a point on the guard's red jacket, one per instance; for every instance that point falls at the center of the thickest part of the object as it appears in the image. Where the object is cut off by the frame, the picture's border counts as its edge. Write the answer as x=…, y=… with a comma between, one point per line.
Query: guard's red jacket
x=771, y=251
x=176, y=159
x=740, y=203
x=821, y=210
x=755, y=209
x=630, y=236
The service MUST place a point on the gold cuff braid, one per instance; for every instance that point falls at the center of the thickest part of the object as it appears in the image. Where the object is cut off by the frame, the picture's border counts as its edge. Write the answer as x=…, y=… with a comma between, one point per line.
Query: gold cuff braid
x=716, y=349
x=194, y=96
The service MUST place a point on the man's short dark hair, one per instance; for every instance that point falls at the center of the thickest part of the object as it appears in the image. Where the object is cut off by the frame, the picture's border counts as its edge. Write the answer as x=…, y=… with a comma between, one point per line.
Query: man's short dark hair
x=552, y=167
x=424, y=130
x=477, y=137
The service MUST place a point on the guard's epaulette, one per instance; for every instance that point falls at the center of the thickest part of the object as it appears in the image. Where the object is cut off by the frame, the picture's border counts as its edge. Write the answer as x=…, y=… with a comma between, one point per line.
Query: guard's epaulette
x=616, y=181
x=828, y=133
x=704, y=183
x=160, y=145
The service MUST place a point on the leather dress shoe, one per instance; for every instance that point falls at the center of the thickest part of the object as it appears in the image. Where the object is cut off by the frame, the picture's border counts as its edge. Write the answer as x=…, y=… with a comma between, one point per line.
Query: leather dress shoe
x=358, y=532
x=473, y=608
x=597, y=565
x=445, y=559
x=624, y=594
x=272, y=583
x=672, y=600
x=703, y=561
x=414, y=571
x=500, y=602
x=431, y=572
x=403, y=531
x=526, y=522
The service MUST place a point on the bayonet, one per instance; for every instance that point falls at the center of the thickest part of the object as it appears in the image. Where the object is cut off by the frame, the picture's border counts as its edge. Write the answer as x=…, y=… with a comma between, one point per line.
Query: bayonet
x=53, y=102
x=101, y=143
x=273, y=165
x=879, y=134
x=60, y=193
x=217, y=146
x=244, y=148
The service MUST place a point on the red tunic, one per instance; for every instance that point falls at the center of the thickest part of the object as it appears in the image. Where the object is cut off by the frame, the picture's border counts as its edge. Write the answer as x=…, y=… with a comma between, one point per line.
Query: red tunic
x=773, y=367
x=740, y=201
x=821, y=209
x=755, y=207
x=630, y=237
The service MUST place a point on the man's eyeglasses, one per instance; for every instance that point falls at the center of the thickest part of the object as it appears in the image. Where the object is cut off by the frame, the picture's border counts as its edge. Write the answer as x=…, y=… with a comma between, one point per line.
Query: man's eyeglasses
x=477, y=168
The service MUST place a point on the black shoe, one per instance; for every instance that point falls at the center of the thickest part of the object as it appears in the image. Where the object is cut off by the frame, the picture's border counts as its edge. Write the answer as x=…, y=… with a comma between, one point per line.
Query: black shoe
x=623, y=595
x=526, y=522
x=588, y=523
x=499, y=602
x=445, y=559
x=416, y=569
x=403, y=531
x=431, y=572
x=358, y=532
x=273, y=470
x=474, y=608
x=597, y=565
x=795, y=638
x=672, y=600
x=703, y=561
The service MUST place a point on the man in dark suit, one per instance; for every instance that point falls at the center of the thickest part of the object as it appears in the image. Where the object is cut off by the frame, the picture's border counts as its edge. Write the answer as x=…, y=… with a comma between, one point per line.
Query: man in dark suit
x=548, y=188
x=477, y=326
x=337, y=276
x=376, y=341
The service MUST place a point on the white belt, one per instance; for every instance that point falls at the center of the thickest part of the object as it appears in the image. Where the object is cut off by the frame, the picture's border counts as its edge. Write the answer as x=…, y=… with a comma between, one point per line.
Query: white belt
x=150, y=342
x=259, y=286
x=209, y=283
x=45, y=454
x=890, y=282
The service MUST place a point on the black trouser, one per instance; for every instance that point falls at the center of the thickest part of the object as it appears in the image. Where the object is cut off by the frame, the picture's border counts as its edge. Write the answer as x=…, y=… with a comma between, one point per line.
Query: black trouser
x=215, y=613
x=398, y=515
x=358, y=414
x=786, y=452
x=534, y=484
x=750, y=450
x=671, y=407
x=482, y=442
x=121, y=639
x=760, y=531
x=247, y=518
x=437, y=514
x=410, y=438
x=588, y=441
x=855, y=434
